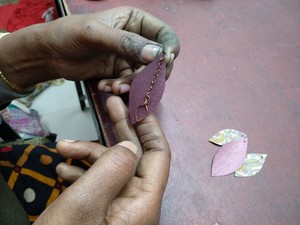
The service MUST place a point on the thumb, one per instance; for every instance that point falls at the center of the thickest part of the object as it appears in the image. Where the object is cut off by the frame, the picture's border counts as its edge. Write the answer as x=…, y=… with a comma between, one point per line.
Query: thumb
x=136, y=46
x=94, y=191
x=124, y=43
x=108, y=175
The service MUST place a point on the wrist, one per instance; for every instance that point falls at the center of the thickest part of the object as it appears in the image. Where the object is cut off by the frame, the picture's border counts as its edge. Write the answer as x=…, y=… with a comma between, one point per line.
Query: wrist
x=21, y=60
x=14, y=87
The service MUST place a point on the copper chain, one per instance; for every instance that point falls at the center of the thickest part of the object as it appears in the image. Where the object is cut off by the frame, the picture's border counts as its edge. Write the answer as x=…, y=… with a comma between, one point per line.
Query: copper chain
x=148, y=93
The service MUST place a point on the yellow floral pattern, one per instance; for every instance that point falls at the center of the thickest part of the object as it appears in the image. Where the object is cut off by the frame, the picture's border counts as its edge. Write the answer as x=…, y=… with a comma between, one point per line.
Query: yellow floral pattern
x=226, y=136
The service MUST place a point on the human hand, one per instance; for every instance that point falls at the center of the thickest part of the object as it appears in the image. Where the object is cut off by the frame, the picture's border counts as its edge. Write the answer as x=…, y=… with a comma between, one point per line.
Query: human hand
x=124, y=185
x=109, y=44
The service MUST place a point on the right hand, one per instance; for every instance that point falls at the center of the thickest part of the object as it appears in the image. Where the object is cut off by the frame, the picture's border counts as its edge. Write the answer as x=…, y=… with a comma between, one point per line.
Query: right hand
x=125, y=184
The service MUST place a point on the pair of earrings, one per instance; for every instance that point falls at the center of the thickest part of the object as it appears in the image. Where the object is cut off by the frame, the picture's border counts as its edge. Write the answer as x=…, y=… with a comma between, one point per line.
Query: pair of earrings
x=232, y=157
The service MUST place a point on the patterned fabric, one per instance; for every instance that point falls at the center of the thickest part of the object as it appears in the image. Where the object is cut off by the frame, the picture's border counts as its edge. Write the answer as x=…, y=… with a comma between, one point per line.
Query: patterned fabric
x=28, y=100
x=30, y=172
x=31, y=141
x=26, y=12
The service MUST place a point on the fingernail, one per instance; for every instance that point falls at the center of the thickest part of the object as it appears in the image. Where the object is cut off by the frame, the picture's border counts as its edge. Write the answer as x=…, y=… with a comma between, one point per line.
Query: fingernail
x=69, y=141
x=107, y=88
x=172, y=58
x=149, y=52
x=129, y=145
x=123, y=88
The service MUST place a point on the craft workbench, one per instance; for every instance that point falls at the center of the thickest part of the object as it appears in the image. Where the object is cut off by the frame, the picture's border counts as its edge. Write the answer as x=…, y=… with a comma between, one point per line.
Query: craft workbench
x=239, y=67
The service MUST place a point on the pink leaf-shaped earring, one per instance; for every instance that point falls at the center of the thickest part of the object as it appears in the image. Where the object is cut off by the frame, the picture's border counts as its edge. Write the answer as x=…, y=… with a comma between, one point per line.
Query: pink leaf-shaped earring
x=147, y=89
x=229, y=158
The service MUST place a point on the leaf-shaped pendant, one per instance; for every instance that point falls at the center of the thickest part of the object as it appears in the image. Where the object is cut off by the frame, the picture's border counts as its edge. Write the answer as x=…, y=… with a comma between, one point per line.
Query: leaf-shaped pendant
x=229, y=158
x=252, y=165
x=226, y=136
x=147, y=89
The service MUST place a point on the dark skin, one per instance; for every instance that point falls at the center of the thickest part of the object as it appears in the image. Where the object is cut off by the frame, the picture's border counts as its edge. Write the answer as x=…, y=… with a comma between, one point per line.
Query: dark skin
x=125, y=184
x=112, y=44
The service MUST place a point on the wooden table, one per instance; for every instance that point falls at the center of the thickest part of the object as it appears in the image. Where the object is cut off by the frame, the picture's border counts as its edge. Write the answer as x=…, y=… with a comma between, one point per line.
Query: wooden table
x=239, y=67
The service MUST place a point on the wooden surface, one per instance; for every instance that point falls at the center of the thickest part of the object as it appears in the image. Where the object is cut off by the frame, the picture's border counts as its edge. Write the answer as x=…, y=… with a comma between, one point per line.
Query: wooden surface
x=239, y=67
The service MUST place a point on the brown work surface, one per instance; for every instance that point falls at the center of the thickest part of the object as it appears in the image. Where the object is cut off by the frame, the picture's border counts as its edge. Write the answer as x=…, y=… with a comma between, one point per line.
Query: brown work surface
x=239, y=67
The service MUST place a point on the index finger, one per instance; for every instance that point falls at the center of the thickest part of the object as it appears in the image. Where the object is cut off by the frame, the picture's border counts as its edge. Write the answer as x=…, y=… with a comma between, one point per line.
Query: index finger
x=80, y=150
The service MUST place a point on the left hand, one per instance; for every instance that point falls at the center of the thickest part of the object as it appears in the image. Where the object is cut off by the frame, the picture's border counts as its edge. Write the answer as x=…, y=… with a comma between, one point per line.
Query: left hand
x=108, y=44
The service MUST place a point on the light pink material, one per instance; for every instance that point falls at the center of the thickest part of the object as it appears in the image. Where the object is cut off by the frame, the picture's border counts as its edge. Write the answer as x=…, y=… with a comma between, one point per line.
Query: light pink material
x=140, y=86
x=229, y=158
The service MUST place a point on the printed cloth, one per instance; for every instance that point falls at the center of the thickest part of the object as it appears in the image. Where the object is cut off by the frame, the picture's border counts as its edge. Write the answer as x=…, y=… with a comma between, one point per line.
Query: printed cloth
x=25, y=13
x=30, y=172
